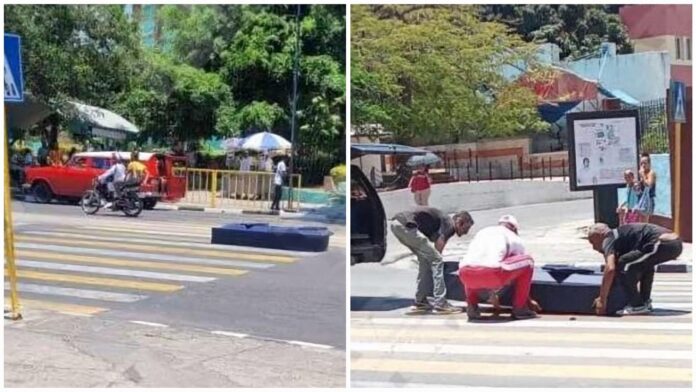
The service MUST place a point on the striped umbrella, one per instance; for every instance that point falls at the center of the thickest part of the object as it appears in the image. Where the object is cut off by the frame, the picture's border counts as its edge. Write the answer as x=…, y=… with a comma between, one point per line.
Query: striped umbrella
x=265, y=141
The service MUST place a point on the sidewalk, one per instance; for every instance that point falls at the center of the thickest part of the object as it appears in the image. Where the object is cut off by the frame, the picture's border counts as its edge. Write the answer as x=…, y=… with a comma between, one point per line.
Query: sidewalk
x=559, y=244
x=54, y=350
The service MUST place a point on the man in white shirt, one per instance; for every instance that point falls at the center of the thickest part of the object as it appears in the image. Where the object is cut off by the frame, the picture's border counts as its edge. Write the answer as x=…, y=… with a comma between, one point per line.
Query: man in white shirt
x=116, y=174
x=278, y=178
x=496, y=258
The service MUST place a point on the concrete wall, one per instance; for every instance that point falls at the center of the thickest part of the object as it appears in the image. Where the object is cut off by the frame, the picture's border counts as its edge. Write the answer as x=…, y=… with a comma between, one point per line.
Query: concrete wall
x=484, y=195
x=623, y=71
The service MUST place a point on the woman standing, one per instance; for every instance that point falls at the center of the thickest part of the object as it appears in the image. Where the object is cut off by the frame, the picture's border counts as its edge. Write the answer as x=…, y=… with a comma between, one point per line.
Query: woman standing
x=420, y=186
x=649, y=180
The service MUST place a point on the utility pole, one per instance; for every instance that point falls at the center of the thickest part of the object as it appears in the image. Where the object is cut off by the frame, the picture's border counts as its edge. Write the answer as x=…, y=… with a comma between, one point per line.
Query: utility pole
x=293, y=117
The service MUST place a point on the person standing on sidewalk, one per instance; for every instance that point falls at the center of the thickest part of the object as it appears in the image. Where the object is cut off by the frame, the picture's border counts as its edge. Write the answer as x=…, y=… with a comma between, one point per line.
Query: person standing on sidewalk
x=425, y=231
x=633, y=251
x=278, y=178
x=648, y=178
x=420, y=186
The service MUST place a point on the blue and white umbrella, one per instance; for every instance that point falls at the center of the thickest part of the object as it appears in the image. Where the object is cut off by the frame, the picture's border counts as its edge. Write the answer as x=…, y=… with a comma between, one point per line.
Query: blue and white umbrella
x=265, y=141
x=422, y=160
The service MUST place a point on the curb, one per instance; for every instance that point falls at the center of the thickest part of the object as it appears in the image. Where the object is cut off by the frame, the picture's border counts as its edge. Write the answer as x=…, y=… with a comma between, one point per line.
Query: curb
x=662, y=268
x=282, y=214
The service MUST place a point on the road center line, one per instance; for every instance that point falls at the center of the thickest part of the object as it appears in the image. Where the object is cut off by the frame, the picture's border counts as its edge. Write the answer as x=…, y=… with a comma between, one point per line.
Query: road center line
x=149, y=324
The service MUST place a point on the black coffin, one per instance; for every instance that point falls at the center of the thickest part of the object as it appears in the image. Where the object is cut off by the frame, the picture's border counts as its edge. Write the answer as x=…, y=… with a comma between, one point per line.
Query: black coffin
x=263, y=235
x=557, y=289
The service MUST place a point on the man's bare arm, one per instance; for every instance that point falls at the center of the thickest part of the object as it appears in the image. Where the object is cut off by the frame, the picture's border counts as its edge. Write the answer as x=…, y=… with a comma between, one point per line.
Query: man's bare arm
x=440, y=244
x=607, y=280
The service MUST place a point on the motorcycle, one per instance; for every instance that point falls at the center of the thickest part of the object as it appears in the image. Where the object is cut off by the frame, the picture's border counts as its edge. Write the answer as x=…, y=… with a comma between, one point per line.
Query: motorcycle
x=97, y=197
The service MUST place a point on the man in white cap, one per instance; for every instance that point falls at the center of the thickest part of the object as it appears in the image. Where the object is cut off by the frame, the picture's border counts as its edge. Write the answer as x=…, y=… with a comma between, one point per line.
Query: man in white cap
x=496, y=258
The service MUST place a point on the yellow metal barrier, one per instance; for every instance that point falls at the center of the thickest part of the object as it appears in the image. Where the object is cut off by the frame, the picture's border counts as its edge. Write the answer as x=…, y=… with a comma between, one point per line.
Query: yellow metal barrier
x=9, y=241
x=248, y=190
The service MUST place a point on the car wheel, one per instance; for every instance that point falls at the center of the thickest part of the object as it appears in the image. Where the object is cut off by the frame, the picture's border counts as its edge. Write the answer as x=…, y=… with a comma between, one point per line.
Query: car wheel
x=42, y=192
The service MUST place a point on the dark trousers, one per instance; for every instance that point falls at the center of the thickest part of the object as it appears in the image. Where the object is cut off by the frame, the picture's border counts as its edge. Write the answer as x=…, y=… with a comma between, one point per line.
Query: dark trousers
x=639, y=267
x=277, y=194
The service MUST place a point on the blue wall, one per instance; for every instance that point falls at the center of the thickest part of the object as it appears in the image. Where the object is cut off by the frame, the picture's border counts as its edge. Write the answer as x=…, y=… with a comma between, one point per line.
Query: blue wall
x=663, y=194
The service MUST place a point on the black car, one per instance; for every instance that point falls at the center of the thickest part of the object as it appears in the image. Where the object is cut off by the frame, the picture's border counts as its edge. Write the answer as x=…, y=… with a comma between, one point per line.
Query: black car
x=368, y=228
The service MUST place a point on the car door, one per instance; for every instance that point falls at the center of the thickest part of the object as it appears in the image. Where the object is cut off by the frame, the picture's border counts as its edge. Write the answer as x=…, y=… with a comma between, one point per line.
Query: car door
x=78, y=176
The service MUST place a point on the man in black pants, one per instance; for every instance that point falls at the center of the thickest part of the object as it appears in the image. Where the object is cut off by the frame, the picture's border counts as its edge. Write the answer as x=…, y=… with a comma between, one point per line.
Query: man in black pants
x=632, y=250
x=278, y=178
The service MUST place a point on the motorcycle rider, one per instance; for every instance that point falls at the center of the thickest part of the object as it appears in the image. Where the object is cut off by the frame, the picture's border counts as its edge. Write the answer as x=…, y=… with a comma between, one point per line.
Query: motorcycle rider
x=136, y=173
x=116, y=175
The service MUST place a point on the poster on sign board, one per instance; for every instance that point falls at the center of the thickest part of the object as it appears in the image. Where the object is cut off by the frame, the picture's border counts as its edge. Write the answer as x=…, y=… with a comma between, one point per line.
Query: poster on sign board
x=603, y=145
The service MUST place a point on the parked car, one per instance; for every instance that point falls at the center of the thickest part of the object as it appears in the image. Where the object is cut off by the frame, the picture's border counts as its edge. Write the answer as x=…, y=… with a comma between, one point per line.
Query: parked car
x=368, y=227
x=72, y=180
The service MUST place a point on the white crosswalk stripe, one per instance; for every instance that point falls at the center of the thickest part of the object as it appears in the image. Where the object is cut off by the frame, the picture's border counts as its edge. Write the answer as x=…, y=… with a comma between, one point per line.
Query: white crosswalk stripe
x=112, y=271
x=143, y=256
x=394, y=350
x=77, y=293
x=111, y=265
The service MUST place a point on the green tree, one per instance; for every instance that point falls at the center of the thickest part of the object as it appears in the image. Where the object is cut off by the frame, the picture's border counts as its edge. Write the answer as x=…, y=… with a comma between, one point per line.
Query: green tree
x=76, y=52
x=432, y=74
x=252, y=48
x=171, y=100
x=578, y=29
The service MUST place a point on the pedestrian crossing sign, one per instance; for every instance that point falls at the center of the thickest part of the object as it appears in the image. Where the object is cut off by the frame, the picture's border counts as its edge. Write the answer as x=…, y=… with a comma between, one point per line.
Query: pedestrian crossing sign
x=14, y=83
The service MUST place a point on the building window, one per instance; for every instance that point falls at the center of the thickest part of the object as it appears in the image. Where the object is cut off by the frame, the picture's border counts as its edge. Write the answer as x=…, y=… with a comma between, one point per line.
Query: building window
x=688, y=49
x=677, y=45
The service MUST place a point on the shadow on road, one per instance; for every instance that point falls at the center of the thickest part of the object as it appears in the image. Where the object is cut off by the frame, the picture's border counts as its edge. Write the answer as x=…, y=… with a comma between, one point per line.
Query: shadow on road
x=378, y=304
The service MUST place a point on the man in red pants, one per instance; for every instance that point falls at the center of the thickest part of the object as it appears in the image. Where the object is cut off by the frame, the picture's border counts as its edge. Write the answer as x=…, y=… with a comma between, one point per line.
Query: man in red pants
x=496, y=258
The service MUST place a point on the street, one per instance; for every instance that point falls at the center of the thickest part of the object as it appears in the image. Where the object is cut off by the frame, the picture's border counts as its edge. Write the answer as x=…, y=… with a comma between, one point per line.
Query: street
x=390, y=349
x=159, y=271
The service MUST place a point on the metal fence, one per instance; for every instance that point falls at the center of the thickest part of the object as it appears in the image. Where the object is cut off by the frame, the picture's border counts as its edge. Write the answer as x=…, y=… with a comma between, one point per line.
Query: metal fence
x=469, y=167
x=235, y=189
x=315, y=165
x=654, y=138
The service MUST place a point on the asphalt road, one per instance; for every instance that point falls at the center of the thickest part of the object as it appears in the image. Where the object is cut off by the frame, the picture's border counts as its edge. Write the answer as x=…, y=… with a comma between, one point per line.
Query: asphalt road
x=160, y=268
x=391, y=349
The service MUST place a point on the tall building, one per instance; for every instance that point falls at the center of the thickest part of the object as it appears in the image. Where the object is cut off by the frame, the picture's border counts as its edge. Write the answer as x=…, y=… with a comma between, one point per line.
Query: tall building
x=146, y=17
x=662, y=27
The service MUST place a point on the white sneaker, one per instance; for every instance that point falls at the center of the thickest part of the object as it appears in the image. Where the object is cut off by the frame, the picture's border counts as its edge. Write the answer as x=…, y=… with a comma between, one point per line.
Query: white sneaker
x=634, y=310
x=108, y=205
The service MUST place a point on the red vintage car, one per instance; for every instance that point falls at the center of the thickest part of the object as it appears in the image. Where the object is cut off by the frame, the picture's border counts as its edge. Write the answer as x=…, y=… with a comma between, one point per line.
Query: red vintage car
x=70, y=181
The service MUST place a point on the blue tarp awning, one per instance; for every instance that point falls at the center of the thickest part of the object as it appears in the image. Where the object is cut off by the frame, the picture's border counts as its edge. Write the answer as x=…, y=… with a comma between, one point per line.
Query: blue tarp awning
x=616, y=93
x=359, y=149
x=552, y=112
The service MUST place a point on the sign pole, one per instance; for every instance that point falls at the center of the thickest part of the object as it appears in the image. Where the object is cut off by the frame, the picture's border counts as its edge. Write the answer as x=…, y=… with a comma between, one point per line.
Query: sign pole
x=605, y=205
x=676, y=214
x=14, y=92
x=9, y=233
x=293, y=121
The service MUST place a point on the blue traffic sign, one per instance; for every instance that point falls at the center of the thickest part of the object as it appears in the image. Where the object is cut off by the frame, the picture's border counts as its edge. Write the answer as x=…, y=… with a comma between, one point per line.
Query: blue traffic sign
x=14, y=82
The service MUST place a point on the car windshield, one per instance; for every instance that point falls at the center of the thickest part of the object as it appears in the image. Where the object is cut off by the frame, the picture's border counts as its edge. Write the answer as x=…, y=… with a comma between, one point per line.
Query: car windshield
x=78, y=161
